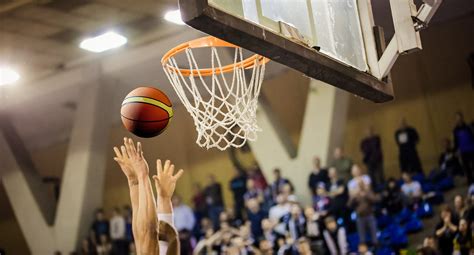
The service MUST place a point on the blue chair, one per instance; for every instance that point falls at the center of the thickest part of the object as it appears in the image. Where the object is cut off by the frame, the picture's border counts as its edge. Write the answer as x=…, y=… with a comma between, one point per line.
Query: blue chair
x=404, y=215
x=425, y=210
x=413, y=225
x=353, y=242
x=446, y=183
x=419, y=177
x=384, y=220
x=385, y=251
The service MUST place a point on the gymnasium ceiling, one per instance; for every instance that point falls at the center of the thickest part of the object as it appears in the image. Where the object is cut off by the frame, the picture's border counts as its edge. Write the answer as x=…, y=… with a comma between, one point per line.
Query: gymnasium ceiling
x=41, y=37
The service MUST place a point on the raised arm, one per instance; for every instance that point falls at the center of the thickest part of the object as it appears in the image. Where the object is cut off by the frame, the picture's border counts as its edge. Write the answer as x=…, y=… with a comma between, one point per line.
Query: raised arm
x=165, y=184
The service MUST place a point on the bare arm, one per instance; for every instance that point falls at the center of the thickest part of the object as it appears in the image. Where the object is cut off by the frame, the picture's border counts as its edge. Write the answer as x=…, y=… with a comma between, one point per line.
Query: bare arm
x=165, y=184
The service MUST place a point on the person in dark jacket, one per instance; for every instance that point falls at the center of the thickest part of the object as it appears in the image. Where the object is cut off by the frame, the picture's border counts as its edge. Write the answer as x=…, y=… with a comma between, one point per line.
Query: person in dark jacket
x=464, y=143
x=407, y=139
x=238, y=186
x=371, y=148
x=317, y=175
x=214, y=200
x=448, y=160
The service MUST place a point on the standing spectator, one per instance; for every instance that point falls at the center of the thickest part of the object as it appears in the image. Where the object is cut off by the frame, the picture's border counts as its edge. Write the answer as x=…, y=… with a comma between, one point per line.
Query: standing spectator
x=104, y=247
x=445, y=231
x=214, y=201
x=117, y=232
x=100, y=225
x=278, y=183
x=259, y=179
x=357, y=176
x=253, y=192
x=373, y=157
x=199, y=201
x=448, y=160
x=335, y=237
x=463, y=241
x=295, y=223
x=317, y=175
x=128, y=227
x=464, y=143
x=238, y=186
x=338, y=193
x=411, y=189
x=280, y=209
x=255, y=215
x=321, y=201
x=184, y=223
x=342, y=164
x=268, y=233
x=313, y=231
x=407, y=138
x=363, y=201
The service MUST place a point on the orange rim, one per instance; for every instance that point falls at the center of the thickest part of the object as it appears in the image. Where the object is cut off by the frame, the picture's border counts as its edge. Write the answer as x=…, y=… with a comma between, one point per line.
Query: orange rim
x=209, y=41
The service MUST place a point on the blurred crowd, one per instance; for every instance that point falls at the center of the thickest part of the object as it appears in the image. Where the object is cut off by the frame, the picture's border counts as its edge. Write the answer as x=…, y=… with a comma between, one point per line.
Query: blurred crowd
x=355, y=209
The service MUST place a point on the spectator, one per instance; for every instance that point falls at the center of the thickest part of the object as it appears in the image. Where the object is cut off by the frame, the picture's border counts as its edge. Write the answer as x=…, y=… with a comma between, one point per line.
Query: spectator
x=364, y=249
x=268, y=233
x=132, y=249
x=429, y=244
x=335, y=237
x=464, y=143
x=317, y=175
x=342, y=164
x=280, y=209
x=470, y=206
x=338, y=194
x=184, y=221
x=278, y=183
x=257, y=176
x=411, y=189
x=255, y=215
x=363, y=201
x=238, y=186
x=448, y=160
x=313, y=232
x=407, y=138
x=295, y=223
x=100, y=226
x=128, y=224
x=304, y=247
x=117, y=232
x=445, y=231
x=321, y=201
x=199, y=201
x=86, y=248
x=463, y=241
x=357, y=176
x=253, y=192
x=373, y=157
x=214, y=201
x=392, y=198
x=460, y=208
x=288, y=191
x=266, y=247
x=104, y=247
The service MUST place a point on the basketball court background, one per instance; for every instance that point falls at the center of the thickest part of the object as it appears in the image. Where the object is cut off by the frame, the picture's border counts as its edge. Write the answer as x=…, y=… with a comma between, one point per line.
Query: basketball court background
x=430, y=86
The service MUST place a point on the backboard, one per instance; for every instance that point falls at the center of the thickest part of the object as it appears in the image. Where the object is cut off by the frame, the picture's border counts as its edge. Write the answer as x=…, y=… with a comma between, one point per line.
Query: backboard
x=335, y=41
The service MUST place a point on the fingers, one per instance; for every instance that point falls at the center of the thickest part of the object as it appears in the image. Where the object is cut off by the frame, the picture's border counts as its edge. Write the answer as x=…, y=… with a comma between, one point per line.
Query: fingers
x=159, y=167
x=139, y=149
x=166, y=168
x=132, y=146
x=117, y=152
x=124, y=152
x=178, y=174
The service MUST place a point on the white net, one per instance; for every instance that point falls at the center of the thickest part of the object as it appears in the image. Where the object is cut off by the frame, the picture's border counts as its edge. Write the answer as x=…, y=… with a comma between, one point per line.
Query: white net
x=222, y=104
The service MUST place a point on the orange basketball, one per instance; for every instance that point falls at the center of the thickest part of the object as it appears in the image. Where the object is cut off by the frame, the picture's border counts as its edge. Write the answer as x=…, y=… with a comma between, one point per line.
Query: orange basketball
x=146, y=112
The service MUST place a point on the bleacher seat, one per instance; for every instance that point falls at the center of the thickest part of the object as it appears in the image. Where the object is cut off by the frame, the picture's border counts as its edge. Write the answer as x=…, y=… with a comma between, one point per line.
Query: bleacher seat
x=424, y=210
x=413, y=225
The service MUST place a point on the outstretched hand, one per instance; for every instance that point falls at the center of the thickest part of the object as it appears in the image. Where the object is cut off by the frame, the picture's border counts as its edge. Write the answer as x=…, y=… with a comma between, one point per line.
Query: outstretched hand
x=165, y=181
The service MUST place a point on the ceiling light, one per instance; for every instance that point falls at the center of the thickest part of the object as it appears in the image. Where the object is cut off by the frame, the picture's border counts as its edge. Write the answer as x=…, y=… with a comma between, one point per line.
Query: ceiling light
x=175, y=17
x=103, y=42
x=8, y=76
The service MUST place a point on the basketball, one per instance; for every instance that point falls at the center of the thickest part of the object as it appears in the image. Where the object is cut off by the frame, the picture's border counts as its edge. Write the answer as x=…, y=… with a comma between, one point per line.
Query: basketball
x=146, y=112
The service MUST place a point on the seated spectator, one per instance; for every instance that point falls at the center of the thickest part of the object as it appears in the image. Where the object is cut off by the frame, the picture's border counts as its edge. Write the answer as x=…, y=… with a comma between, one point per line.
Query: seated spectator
x=411, y=189
x=303, y=247
x=255, y=215
x=100, y=225
x=342, y=163
x=295, y=223
x=253, y=192
x=317, y=175
x=357, y=176
x=448, y=160
x=184, y=222
x=463, y=241
x=280, y=209
x=430, y=244
x=460, y=208
x=337, y=192
x=104, y=247
x=313, y=231
x=265, y=247
x=321, y=200
x=445, y=231
x=392, y=198
x=364, y=249
x=278, y=183
x=335, y=237
x=363, y=201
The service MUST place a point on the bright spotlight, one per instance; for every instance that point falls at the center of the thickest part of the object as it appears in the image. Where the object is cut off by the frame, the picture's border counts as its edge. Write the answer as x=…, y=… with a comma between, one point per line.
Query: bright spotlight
x=8, y=76
x=174, y=17
x=103, y=42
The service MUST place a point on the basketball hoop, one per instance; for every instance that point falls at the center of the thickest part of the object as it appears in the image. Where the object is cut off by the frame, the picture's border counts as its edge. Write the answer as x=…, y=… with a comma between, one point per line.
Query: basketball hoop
x=222, y=102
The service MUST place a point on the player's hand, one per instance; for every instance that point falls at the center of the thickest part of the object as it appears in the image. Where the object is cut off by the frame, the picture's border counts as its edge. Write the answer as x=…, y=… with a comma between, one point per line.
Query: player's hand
x=121, y=157
x=135, y=155
x=165, y=179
